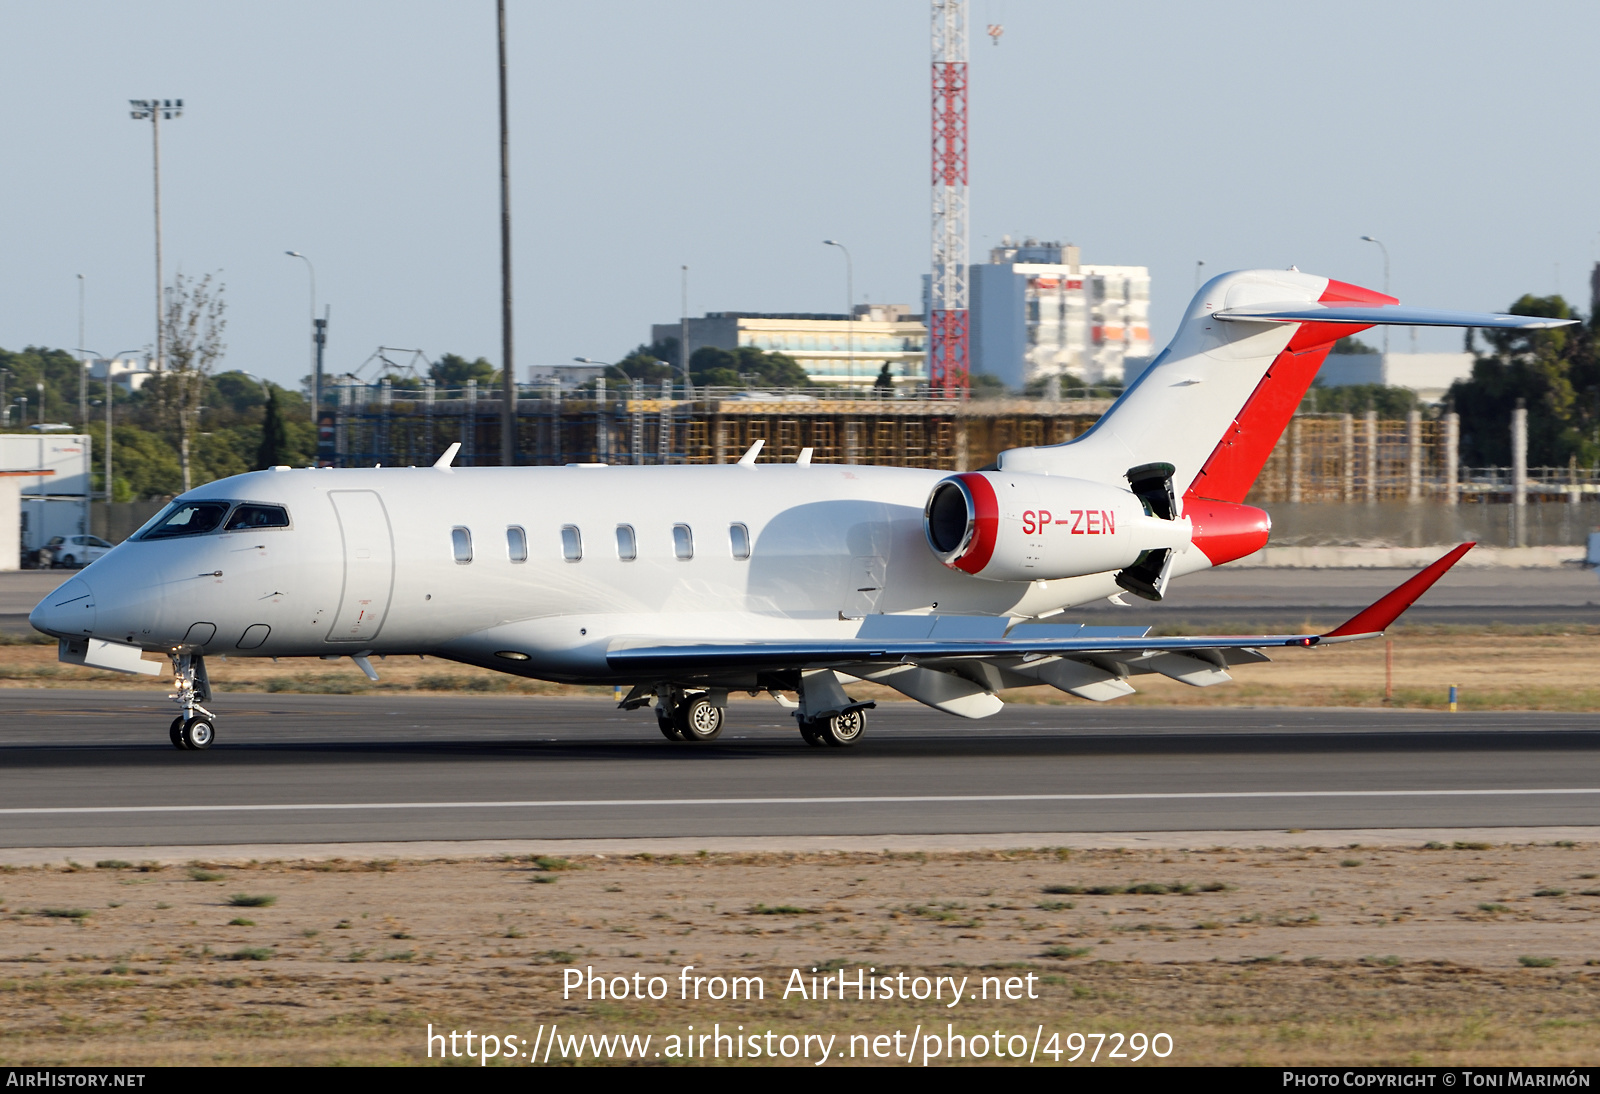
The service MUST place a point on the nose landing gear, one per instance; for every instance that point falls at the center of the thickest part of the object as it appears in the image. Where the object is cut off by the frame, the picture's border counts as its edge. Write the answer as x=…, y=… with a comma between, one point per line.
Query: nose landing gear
x=196, y=727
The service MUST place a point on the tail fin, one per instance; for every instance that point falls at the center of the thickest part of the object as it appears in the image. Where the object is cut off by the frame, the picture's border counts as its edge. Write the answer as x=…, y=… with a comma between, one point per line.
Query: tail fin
x=1215, y=402
x=1217, y=399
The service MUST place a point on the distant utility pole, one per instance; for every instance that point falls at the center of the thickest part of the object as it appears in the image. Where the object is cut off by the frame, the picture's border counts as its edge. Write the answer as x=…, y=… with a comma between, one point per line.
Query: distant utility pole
x=154, y=110
x=83, y=365
x=508, y=377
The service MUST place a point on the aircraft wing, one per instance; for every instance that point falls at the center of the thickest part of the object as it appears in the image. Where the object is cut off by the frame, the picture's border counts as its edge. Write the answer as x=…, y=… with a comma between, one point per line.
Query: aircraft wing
x=960, y=674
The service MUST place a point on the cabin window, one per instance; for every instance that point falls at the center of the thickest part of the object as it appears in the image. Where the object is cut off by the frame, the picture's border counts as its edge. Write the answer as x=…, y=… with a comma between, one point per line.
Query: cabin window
x=461, y=544
x=249, y=517
x=682, y=541
x=516, y=544
x=739, y=540
x=571, y=543
x=627, y=543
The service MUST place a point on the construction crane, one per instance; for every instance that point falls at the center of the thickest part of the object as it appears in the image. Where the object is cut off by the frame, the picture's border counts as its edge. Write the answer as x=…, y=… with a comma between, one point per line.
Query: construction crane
x=948, y=317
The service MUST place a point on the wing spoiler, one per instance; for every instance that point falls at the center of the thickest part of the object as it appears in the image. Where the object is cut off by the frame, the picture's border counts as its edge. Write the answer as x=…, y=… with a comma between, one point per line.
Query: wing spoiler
x=1370, y=622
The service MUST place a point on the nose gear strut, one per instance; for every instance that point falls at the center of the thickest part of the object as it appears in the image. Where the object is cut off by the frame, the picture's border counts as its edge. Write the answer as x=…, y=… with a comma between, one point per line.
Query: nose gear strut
x=195, y=728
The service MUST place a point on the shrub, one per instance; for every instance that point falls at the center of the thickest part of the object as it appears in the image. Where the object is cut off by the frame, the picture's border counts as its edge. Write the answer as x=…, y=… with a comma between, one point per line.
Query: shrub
x=252, y=900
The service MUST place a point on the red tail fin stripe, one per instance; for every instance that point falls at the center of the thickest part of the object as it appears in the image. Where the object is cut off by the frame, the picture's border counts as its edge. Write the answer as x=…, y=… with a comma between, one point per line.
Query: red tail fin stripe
x=1236, y=462
x=1387, y=608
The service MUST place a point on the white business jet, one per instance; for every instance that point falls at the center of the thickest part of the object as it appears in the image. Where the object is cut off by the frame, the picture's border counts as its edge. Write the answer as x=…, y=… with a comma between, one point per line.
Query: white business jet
x=685, y=583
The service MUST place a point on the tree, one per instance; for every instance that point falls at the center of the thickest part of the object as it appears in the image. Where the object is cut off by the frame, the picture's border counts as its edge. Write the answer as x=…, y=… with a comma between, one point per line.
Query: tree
x=454, y=371
x=1555, y=372
x=745, y=365
x=1352, y=344
x=192, y=326
x=1389, y=402
x=274, y=448
x=651, y=363
x=885, y=380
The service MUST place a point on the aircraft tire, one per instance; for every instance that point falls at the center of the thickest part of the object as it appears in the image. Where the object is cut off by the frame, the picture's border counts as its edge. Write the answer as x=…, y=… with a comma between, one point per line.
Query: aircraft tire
x=698, y=720
x=813, y=735
x=668, y=725
x=844, y=730
x=176, y=733
x=198, y=733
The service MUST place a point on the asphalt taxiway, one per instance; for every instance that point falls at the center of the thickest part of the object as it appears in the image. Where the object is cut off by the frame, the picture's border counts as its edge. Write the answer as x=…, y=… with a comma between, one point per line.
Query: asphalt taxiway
x=94, y=768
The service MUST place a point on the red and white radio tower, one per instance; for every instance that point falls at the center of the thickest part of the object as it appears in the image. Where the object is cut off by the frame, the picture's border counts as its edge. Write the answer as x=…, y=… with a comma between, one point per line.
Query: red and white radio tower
x=947, y=296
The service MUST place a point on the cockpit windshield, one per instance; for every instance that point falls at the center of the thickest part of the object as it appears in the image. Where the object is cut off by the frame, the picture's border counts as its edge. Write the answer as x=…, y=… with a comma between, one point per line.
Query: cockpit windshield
x=190, y=518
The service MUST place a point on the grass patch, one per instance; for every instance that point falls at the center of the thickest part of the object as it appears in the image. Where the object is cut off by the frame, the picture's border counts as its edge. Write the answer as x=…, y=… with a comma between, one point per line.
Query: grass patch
x=197, y=873
x=780, y=909
x=1493, y=909
x=1349, y=862
x=1529, y=961
x=1470, y=845
x=252, y=900
x=1549, y=892
x=251, y=953
x=113, y=864
x=1064, y=951
x=551, y=863
x=241, y=921
x=65, y=913
x=545, y=879
x=1056, y=905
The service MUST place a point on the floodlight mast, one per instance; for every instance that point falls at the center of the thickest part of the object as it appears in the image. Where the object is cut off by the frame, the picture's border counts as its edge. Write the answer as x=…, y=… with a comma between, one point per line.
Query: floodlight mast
x=153, y=110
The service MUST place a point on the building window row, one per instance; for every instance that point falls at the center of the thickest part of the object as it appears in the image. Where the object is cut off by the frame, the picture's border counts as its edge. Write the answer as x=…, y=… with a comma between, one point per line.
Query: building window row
x=572, y=543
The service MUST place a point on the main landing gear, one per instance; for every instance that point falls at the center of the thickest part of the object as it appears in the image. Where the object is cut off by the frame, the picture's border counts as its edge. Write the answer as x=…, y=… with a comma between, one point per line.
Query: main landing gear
x=689, y=718
x=838, y=730
x=196, y=727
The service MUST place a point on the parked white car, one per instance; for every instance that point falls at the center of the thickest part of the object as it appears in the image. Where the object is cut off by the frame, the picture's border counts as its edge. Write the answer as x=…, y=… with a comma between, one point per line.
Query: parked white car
x=76, y=550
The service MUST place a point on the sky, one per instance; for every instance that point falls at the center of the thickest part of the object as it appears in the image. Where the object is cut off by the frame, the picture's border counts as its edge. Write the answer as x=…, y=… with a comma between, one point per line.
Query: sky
x=733, y=137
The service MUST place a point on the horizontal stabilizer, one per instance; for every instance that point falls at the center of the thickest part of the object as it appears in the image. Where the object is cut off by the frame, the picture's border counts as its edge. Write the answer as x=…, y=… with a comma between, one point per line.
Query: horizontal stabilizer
x=1384, y=315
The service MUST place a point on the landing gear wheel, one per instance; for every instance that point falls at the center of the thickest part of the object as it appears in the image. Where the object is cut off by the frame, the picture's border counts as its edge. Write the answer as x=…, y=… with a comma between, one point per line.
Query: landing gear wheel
x=176, y=733
x=698, y=720
x=197, y=733
x=844, y=730
x=667, y=724
x=811, y=733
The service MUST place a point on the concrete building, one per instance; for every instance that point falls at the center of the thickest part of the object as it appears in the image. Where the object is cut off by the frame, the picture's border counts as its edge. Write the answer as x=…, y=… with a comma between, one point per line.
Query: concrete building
x=1428, y=374
x=1038, y=311
x=833, y=349
x=128, y=373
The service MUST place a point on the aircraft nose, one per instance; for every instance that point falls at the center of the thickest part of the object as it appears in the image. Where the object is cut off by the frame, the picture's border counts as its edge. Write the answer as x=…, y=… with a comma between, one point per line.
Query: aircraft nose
x=69, y=610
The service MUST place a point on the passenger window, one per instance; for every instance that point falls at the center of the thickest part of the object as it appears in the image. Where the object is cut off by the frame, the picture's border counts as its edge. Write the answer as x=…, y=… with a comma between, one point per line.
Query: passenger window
x=461, y=544
x=571, y=543
x=248, y=517
x=627, y=543
x=516, y=544
x=739, y=540
x=682, y=541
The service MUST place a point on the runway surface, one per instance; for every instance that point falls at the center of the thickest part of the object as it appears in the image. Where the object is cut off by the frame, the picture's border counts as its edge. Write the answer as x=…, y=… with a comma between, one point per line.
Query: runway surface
x=95, y=769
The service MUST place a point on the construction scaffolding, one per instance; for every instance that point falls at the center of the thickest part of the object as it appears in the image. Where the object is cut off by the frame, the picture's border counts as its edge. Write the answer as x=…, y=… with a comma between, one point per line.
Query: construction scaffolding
x=1319, y=458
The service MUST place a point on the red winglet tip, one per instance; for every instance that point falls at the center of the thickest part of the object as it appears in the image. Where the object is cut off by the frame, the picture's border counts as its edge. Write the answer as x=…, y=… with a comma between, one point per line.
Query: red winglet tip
x=1377, y=616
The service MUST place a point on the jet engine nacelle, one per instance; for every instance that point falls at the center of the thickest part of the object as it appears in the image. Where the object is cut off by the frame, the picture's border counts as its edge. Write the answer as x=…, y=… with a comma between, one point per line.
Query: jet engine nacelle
x=1022, y=527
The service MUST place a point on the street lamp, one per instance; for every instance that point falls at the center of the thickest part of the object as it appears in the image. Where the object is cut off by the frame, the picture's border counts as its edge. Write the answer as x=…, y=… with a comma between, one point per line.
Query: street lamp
x=83, y=366
x=154, y=110
x=683, y=338
x=849, y=306
x=319, y=338
x=1385, y=250
x=109, y=389
x=1199, y=266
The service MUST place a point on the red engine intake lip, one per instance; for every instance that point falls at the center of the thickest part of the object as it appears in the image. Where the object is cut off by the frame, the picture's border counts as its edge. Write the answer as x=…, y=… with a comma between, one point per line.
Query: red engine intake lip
x=1226, y=530
x=982, y=530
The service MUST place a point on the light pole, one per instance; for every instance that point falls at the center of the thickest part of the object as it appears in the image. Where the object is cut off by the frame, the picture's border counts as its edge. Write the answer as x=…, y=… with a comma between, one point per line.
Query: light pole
x=319, y=338
x=154, y=110
x=110, y=387
x=849, y=305
x=1199, y=267
x=683, y=337
x=83, y=366
x=1385, y=250
x=508, y=376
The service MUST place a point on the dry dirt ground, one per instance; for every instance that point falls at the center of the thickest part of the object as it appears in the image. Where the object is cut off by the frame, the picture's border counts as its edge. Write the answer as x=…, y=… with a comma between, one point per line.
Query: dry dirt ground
x=1500, y=669
x=1473, y=955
